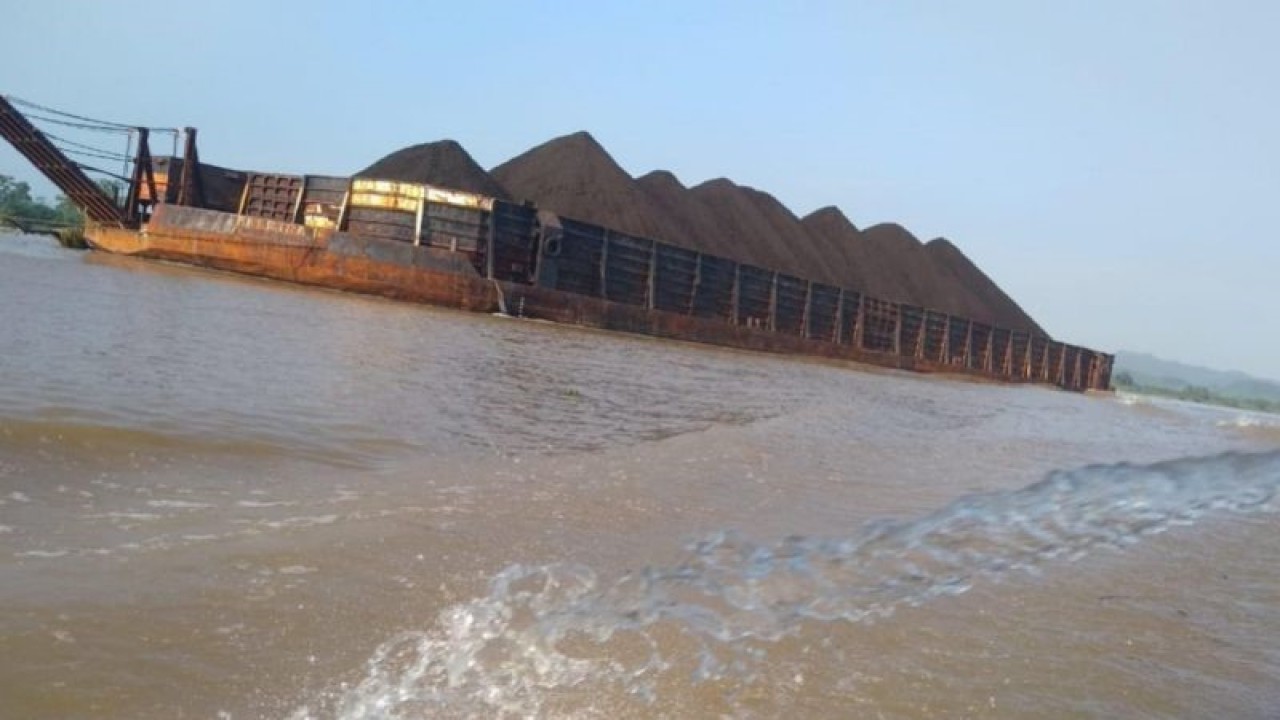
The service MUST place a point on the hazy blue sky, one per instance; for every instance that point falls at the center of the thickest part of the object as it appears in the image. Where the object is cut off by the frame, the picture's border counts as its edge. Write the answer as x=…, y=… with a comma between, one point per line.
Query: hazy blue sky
x=1115, y=166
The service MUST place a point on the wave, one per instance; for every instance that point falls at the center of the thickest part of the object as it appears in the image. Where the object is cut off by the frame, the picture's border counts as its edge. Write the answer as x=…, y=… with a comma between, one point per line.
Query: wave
x=542, y=630
x=1246, y=421
x=111, y=436
x=1255, y=426
x=1128, y=398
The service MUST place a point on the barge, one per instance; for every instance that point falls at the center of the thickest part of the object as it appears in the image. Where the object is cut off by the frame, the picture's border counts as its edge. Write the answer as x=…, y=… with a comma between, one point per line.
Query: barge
x=448, y=247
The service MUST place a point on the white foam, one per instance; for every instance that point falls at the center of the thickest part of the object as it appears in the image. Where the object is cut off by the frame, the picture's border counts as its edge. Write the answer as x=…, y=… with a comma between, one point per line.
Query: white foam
x=132, y=516
x=1250, y=421
x=42, y=554
x=499, y=655
x=178, y=504
x=265, y=503
x=301, y=522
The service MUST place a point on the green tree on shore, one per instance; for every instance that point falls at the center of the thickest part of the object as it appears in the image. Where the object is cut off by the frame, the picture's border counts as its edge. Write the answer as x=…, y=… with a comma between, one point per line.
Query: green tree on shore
x=1193, y=393
x=18, y=206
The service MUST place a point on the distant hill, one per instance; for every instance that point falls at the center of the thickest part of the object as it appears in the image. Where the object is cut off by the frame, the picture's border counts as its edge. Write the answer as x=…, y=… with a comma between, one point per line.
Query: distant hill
x=1151, y=371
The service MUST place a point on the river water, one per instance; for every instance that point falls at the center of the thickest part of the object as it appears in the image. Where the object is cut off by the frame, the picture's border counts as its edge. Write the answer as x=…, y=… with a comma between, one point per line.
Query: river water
x=228, y=498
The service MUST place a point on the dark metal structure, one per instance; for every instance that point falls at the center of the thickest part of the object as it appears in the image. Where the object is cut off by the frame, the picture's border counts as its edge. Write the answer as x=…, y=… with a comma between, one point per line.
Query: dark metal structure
x=449, y=247
x=55, y=165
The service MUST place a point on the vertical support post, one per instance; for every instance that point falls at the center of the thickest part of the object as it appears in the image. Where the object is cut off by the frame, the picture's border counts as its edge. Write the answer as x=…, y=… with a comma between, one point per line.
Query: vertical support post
x=190, y=189
x=773, y=302
x=344, y=208
x=1008, y=360
x=244, y=194
x=920, y=333
x=417, y=222
x=142, y=172
x=735, y=295
x=808, y=301
x=968, y=346
x=297, y=203
x=490, y=262
x=1010, y=354
x=150, y=172
x=135, y=181
x=651, y=300
x=837, y=334
x=897, y=333
x=944, y=354
x=697, y=283
x=124, y=165
x=997, y=353
x=860, y=323
x=604, y=265
x=1026, y=362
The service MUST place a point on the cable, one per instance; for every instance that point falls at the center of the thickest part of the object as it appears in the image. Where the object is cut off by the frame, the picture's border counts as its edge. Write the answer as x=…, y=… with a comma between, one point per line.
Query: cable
x=85, y=123
x=121, y=178
x=83, y=146
x=94, y=154
x=80, y=126
x=42, y=108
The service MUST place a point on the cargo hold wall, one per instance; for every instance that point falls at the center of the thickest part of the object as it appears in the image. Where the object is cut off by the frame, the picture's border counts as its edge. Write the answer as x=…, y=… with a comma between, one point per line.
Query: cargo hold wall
x=519, y=243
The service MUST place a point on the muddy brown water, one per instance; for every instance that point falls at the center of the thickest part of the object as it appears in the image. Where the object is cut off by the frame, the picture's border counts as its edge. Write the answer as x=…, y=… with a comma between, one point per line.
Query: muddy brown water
x=226, y=498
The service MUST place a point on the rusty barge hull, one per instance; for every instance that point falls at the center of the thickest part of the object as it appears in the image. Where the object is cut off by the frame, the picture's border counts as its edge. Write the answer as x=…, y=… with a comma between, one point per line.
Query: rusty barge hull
x=454, y=248
x=326, y=258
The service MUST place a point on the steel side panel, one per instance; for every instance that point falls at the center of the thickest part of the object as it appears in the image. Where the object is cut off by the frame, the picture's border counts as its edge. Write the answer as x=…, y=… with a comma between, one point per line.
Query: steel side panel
x=372, y=268
x=341, y=261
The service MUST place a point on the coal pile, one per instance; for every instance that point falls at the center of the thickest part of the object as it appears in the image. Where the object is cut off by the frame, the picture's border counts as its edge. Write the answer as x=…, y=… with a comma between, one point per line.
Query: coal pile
x=864, y=271
x=444, y=163
x=814, y=258
x=696, y=227
x=914, y=278
x=998, y=306
x=576, y=177
x=744, y=228
x=743, y=224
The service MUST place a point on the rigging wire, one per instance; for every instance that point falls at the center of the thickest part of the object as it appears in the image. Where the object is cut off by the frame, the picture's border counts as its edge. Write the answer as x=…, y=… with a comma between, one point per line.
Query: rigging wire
x=94, y=154
x=121, y=178
x=83, y=146
x=80, y=125
x=101, y=124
